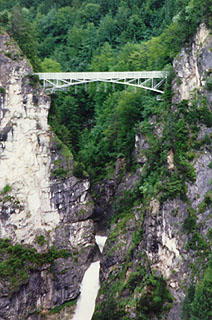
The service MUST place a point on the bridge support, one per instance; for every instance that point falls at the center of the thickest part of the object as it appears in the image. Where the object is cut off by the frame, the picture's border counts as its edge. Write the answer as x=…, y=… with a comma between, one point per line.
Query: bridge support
x=148, y=80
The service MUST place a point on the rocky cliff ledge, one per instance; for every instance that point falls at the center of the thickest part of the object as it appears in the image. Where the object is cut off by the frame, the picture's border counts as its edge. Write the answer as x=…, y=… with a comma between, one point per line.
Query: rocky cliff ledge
x=47, y=236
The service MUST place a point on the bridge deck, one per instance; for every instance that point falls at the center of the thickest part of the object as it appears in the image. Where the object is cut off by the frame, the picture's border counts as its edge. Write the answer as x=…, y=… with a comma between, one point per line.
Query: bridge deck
x=103, y=75
x=150, y=80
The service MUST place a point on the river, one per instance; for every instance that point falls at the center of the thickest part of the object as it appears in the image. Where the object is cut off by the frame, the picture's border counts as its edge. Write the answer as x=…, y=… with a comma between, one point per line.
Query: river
x=89, y=287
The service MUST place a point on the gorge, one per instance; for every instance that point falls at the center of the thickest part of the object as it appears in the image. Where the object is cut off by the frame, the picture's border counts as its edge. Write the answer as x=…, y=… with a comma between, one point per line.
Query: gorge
x=123, y=165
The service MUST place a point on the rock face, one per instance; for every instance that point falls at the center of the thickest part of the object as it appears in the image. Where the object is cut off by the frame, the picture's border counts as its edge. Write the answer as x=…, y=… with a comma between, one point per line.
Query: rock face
x=193, y=65
x=25, y=154
x=41, y=202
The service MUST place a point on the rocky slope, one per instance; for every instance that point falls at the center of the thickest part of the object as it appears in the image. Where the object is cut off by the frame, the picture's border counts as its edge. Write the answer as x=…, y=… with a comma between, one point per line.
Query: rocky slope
x=159, y=240
x=42, y=205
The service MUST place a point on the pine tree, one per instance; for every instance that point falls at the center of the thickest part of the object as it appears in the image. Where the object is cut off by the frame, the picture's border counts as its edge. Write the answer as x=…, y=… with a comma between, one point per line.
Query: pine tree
x=25, y=36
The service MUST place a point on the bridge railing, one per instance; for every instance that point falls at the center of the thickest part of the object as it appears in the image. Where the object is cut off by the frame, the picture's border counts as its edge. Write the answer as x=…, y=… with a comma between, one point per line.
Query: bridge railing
x=103, y=75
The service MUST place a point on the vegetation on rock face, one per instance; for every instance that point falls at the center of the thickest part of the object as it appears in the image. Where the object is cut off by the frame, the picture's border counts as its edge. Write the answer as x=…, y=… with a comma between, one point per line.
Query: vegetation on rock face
x=198, y=302
x=69, y=304
x=61, y=159
x=6, y=189
x=130, y=287
x=17, y=261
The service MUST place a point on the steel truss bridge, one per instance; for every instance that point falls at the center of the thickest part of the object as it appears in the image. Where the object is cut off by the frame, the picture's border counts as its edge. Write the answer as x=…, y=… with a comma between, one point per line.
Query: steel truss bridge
x=149, y=80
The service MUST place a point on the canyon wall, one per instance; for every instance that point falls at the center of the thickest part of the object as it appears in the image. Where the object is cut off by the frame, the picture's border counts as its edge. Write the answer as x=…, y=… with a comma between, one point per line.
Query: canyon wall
x=164, y=238
x=42, y=205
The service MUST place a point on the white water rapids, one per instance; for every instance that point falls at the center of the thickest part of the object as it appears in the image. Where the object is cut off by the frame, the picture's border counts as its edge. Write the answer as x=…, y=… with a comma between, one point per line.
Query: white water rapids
x=89, y=288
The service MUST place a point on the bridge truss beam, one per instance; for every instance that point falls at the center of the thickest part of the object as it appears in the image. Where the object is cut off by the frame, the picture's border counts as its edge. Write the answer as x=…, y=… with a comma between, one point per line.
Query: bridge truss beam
x=148, y=80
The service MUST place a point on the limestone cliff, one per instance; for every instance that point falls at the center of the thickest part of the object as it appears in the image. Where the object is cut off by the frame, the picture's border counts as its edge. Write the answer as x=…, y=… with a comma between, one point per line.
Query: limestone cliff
x=42, y=205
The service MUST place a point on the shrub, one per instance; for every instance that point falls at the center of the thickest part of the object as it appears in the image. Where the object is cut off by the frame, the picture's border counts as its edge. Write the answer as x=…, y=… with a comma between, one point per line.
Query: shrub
x=2, y=91
x=40, y=240
x=209, y=84
x=59, y=173
x=16, y=261
x=206, y=202
x=155, y=297
x=190, y=223
x=33, y=80
x=79, y=170
x=209, y=234
x=205, y=116
x=6, y=189
x=62, y=306
x=198, y=301
x=197, y=242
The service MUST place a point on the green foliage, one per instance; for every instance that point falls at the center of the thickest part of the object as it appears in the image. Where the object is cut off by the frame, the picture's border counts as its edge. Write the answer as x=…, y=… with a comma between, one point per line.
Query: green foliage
x=63, y=165
x=73, y=33
x=209, y=84
x=79, y=170
x=173, y=188
x=24, y=34
x=205, y=116
x=104, y=60
x=206, y=202
x=158, y=51
x=157, y=294
x=187, y=302
x=190, y=224
x=50, y=65
x=6, y=189
x=68, y=115
x=209, y=234
x=198, y=302
x=197, y=242
x=111, y=310
x=153, y=296
x=135, y=278
x=2, y=91
x=113, y=135
x=202, y=206
x=33, y=80
x=59, y=172
x=40, y=240
x=99, y=127
x=16, y=261
x=62, y=306
x=180, y=129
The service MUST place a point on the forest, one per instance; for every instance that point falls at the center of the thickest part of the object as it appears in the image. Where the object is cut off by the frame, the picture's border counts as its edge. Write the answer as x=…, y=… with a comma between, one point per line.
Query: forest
x=101, y=35
x=104, y=35
x=99, y=126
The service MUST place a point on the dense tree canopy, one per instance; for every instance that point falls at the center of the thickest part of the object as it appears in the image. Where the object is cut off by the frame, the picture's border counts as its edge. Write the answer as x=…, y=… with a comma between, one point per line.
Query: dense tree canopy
x=75, y=33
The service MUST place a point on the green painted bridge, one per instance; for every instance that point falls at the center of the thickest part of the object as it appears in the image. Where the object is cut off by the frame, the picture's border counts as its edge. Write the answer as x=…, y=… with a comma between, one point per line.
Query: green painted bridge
x=148, y=80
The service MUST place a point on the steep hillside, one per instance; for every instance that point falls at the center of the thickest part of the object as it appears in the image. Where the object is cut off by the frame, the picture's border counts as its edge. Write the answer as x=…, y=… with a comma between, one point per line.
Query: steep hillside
x=159, y=241
x=47, y=236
